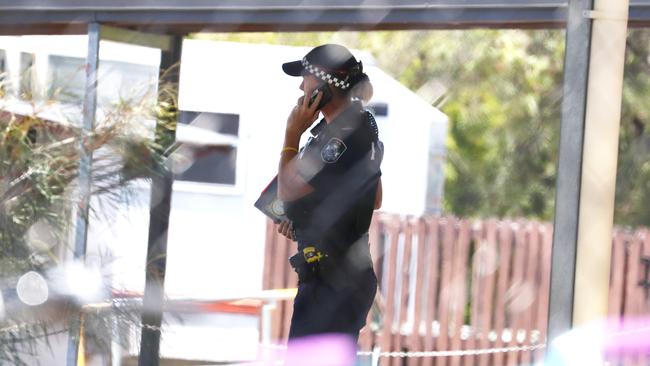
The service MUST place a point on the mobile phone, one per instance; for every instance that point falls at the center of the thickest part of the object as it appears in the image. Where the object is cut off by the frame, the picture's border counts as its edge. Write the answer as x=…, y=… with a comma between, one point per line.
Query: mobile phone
x=327, y=95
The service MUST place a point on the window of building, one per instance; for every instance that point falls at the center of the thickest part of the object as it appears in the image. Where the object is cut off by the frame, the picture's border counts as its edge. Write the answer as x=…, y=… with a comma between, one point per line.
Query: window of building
x=66, y=79
x=126, y=81
x=378, y=109
x=208, y=148
x=26, y=75
x=116, y=81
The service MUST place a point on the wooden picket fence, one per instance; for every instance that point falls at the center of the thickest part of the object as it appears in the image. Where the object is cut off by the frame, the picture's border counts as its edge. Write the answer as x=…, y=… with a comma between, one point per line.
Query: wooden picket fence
x=453, y=284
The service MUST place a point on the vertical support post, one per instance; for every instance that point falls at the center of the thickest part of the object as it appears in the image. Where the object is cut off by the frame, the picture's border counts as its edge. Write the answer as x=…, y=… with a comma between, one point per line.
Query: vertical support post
x=85, y=174
x=600, y=158
x=267, y=316
x=116, y=344
x=161, y=195
x=567, y=193
x=593, y=84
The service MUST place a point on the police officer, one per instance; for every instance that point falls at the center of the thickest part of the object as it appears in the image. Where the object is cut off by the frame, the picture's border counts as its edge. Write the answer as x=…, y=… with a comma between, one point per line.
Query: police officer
x=330, y=187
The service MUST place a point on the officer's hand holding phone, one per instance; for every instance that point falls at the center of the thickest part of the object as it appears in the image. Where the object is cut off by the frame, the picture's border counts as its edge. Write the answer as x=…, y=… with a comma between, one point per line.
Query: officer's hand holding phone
x=304, y=113
x=324, y=90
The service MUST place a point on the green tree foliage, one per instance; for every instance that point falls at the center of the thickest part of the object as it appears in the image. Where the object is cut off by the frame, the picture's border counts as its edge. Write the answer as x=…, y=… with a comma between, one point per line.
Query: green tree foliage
x=633, y=179
x=502, y=91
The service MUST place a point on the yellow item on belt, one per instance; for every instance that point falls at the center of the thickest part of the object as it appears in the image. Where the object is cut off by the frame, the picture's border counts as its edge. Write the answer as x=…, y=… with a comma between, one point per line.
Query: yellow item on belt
x=312, y=254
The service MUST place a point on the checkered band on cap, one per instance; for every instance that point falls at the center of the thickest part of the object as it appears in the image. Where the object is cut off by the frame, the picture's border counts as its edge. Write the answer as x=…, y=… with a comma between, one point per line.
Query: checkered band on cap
x=324, y=75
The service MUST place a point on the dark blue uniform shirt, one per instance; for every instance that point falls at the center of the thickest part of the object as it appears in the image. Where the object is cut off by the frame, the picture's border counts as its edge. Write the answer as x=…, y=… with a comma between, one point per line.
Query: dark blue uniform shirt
x=341, y=160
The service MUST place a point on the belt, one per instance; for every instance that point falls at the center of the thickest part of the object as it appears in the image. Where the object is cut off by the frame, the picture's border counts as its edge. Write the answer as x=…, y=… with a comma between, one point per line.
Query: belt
x=312, y=254
x=311, y=263
x=307, y=259
x=307, y=263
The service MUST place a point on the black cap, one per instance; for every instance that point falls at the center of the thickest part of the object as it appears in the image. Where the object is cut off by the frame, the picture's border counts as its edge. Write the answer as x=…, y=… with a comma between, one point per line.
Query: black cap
x=330, y=62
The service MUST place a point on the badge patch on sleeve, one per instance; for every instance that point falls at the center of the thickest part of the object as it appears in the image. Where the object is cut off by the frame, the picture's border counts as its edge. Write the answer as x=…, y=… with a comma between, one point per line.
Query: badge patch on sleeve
x=333, y=150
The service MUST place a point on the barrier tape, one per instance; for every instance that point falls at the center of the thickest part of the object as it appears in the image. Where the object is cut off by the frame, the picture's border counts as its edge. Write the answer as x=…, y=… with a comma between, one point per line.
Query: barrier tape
x=469, y=352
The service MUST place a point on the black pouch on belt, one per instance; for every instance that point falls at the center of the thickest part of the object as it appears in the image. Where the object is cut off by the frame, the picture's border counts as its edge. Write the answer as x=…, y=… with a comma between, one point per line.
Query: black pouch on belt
x=305, y=271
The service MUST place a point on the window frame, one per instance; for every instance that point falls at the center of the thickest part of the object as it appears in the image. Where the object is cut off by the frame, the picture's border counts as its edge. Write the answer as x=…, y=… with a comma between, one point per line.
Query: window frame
x=236, y=189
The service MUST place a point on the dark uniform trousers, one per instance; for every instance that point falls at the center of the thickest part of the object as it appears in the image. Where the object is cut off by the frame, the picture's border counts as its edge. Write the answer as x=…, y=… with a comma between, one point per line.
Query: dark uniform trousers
x=334, y=294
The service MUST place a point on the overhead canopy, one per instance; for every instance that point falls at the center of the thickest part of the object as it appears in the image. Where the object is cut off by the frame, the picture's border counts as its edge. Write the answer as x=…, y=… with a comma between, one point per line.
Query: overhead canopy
x=179, y=17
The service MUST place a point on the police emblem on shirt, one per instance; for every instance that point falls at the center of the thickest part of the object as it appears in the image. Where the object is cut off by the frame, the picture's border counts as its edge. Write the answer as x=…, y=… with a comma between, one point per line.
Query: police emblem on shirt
x=333, y=150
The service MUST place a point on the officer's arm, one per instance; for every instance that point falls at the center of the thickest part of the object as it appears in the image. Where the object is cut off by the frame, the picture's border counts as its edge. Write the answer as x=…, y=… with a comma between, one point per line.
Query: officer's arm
x=378, y=196
x=291, y=185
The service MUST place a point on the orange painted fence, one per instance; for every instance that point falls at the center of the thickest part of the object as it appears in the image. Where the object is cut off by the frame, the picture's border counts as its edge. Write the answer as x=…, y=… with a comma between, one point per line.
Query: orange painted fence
x=454, y=284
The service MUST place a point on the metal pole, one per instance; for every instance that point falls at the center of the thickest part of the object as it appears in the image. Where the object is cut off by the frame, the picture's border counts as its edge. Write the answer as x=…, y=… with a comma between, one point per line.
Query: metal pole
x=600, y=157
x=567, y=194
x=267, y=314
x=84, y=179
x=593, y=82
x=161, y=194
